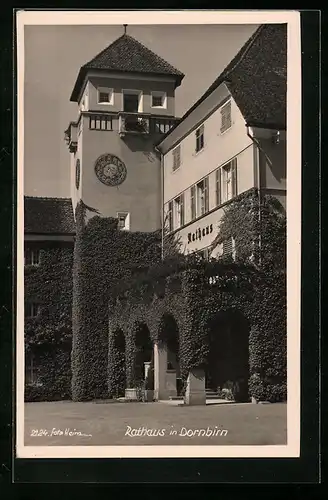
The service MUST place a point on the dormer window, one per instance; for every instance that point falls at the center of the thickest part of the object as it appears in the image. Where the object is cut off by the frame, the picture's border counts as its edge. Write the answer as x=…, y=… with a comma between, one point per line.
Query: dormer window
x=105, y=96
x=158, y=100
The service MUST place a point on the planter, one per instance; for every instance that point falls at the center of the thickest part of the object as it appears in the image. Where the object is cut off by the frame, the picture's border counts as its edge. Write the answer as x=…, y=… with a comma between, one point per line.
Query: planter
x=148, y=396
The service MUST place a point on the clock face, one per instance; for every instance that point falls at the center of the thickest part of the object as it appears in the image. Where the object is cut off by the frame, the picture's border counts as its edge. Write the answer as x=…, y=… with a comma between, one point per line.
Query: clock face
x=110, y=170
x=77, y=174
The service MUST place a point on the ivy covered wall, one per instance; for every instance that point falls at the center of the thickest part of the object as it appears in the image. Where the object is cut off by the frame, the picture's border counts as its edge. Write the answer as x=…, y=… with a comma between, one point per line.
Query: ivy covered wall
x=103, y=256
x=195, y=292
x=48, y=336
x=120, y=282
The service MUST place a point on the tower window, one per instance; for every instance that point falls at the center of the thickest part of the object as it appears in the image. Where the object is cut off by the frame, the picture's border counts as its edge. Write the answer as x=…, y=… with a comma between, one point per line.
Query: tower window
x=158, y=100
x=123, y=221
x=105, y=96
x=100, y=122
x=132, y=101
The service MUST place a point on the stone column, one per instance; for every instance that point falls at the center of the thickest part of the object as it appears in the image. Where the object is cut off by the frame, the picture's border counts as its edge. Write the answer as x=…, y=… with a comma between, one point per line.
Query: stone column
x=171, y=383
x=195, y=390
x=160, y=367
x=146, y=369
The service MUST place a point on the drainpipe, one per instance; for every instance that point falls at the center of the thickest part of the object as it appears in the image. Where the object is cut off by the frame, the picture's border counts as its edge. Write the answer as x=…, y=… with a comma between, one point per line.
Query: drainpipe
x=257, y=144
x=162, y=194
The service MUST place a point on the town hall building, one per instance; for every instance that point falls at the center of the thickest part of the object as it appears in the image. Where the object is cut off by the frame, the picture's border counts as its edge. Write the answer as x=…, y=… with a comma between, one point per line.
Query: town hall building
x=133, y=160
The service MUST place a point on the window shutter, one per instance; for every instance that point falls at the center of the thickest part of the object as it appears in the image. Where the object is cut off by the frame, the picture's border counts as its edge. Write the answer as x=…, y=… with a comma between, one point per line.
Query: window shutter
x=227, y=247
x=234, y=176
x=192, y=202
x=206, y=194
x=218, y=186
x=170, y=216
x=226, y=117
x=176, y=158
x=182, y=209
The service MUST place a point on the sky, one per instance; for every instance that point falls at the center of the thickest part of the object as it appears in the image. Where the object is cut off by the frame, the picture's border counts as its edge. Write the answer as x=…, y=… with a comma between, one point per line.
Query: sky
x=53, y=57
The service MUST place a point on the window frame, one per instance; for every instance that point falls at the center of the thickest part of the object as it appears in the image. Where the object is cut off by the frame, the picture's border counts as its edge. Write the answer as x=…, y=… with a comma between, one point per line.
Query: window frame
x=200, y=133
x=199, y=210
x=32, y=251
x=178, y=217
x=34, y=307
x=223, y=127
x=176, y=153
x=170, y=216
x=126, y=220
x=158, y=93
x=221, y=184
x=137, y=92
x=105, y=90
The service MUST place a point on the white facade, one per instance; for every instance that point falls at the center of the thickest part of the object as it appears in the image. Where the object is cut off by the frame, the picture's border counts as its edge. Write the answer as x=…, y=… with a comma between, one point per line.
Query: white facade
x=201, y=175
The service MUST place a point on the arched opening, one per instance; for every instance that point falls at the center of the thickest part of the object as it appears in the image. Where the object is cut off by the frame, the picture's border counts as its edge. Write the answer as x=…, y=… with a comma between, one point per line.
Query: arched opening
x=144, y=350
x=227, y=369
x=118, y=375
x=168, y=336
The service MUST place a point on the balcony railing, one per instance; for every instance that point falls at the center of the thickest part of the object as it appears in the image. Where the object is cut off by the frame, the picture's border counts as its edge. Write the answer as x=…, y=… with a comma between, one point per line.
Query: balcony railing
x=133, y=123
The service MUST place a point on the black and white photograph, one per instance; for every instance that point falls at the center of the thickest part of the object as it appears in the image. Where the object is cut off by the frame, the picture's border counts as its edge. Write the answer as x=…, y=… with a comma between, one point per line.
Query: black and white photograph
x=158, y=246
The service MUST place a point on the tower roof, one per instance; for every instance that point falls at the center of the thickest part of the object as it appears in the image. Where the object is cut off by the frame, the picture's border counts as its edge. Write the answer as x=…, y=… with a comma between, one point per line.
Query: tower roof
x=126, y=54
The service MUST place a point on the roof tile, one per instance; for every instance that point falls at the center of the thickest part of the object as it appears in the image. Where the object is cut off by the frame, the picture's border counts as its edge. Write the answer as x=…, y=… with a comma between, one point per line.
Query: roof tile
x=48, y=215
x=127, y=55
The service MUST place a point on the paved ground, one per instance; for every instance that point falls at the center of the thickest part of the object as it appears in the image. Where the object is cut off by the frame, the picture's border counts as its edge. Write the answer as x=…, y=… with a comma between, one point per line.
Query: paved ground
x=117, y=424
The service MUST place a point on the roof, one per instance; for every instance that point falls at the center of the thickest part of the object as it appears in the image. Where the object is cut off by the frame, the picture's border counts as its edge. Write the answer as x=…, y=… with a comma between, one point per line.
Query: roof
x=127, y=55
x=257, y=79
x=48, y=215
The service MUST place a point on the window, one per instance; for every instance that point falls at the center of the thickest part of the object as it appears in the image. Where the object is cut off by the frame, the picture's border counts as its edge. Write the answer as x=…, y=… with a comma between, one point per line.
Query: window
x=31, y=309
x=132, y=101
x=176, y=153
x=32, y=257
x=158, y=100
x=225, y=117
x=105, y=96
x=100, y=122
x=170, y=216
x=204, y=254
x=202, y=197
x=193, y=202
x=123, y=221
x=179, y=211
x=199, y=138
x=228, y=248
x=29, y=369
x=226, y=182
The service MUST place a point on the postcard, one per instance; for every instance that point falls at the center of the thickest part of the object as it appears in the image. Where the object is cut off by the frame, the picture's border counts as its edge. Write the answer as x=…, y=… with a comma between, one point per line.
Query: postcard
x=158, y=234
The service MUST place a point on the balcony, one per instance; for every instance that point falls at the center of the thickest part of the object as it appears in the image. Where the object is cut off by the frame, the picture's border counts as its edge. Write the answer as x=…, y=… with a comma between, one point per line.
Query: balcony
x=71, y=137
x=133, y=123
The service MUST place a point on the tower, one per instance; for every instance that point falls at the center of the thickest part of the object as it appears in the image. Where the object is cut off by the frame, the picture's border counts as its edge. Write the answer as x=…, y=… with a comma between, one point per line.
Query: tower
x=125, y=98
